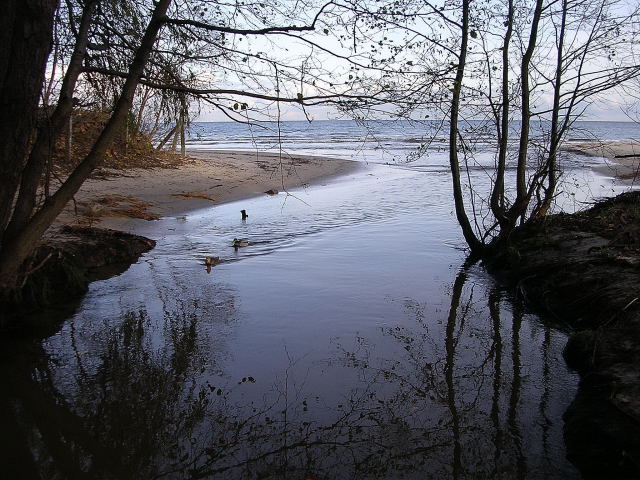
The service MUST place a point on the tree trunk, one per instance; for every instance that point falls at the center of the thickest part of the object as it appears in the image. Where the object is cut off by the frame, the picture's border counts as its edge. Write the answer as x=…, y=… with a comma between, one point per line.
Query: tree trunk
x=167, y=137
x=183, y=125
x=18, y=247
x=552, y=169
x=143, y=104
x=176, y=135
x=183, y=146
x=26, y=28
x=461, y=214
x=520, y=205
x=49, y=131
x=497, y=195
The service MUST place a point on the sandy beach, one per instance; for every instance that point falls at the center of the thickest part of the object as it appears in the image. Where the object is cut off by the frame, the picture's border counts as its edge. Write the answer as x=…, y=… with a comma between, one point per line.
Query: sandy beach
x=210, y=177
x=623, y=157
x=205, y=178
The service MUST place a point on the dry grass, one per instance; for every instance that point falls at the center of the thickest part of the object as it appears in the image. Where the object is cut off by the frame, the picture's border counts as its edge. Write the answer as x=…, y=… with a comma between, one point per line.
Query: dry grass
x=115, y=206
x=130, y=149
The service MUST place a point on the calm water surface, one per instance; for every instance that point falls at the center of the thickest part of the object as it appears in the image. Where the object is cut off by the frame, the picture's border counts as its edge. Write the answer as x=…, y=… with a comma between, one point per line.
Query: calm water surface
x=348, y=341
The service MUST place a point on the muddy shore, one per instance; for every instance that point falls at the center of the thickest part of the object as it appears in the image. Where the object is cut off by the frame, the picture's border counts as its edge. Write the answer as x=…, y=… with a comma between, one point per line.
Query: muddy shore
x=63, y=265
x=582, y=273
x=204, y=178
x=622, y=158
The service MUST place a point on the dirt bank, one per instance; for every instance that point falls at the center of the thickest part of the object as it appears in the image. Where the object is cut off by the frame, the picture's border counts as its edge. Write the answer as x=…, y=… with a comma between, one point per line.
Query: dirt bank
x=583, y=272
x=62, y=268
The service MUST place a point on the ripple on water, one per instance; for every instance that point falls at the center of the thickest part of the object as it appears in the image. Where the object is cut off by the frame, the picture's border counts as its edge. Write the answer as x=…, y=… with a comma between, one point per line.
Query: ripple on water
x=344, y=342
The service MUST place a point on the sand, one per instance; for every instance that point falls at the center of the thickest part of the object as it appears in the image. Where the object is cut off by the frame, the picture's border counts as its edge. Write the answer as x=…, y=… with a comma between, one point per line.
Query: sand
x=623, y=157
x=206, y=178
x=212, y=177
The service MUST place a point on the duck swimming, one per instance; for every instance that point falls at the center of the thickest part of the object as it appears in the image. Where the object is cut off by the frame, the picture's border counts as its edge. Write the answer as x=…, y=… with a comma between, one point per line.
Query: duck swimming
x=209, y=261
x=240, y=242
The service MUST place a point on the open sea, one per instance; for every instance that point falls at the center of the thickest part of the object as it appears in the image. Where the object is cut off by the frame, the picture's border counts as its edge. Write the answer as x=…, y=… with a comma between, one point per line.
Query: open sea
x=375, y=141
x=349, y=341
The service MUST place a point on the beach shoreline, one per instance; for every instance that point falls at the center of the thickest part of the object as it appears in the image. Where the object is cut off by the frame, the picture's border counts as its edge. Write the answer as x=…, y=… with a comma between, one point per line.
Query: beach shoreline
x=214, y=177
x=82, y=246
x=623, y=157
x=206, y=178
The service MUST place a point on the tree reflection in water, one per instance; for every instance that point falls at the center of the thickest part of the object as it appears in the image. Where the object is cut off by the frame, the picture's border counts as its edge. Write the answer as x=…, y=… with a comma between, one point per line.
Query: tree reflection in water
x=145, y=398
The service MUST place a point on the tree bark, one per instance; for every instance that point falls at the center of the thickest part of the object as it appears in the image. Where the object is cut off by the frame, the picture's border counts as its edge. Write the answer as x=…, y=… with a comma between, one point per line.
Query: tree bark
x=50, y=130
x=26, y=29
x=474, y=243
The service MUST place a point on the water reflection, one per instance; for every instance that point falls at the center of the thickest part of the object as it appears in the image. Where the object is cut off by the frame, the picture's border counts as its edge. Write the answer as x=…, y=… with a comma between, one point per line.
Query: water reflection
x=113, y=415
x=460, y=401
x=144, y=395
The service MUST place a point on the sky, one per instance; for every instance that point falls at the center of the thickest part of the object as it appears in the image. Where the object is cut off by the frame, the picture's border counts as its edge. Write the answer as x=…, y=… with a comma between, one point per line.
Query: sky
x=289, y=52
x=611, y=109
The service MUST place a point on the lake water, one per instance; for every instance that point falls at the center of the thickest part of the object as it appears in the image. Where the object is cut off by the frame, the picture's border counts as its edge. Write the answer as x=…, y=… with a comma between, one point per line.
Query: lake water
x=348, y=341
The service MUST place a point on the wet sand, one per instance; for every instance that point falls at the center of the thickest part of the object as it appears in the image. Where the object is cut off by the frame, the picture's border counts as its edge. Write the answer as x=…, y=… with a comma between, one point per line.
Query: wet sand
x=205, y=178
x=623, y=157
x=210, y=177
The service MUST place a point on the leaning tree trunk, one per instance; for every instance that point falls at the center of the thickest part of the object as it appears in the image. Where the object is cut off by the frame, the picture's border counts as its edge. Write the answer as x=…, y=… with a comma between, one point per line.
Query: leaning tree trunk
x=26, y=29
x=16, y=249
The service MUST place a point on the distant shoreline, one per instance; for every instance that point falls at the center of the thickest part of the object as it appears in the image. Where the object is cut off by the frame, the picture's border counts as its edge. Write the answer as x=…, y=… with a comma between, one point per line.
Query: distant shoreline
x=623, y=156
x=213, y=177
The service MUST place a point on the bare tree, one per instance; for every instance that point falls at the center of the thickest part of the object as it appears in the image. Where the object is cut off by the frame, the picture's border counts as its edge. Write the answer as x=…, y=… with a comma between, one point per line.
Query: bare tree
x=518, y=71
x=132, y=58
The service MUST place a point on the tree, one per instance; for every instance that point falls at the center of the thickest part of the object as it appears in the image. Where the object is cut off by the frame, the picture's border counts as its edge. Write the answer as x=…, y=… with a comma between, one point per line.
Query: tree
x=122, y=56
x=516, y=73
x=20, y=229
x=571, y=51
x=26, y=28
